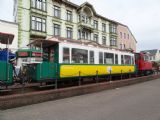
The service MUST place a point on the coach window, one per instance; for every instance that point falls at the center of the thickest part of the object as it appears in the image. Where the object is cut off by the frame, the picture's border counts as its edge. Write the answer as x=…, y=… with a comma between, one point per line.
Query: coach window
x=91, y=54
x=127, y=59
x=100, y=57
x=66, y=57
x=116, y=59
x=108, y=58
x=122, y=59
x=79, y=56
x=132, y=60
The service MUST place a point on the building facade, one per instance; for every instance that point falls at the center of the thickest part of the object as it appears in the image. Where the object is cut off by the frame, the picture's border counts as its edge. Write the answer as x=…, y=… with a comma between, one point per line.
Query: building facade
x=62, y=18
x=11, y=28
x=126, y=40
x=152, y=55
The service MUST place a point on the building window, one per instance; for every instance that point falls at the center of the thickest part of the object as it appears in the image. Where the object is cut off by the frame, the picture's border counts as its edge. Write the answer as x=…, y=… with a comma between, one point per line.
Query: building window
x=124, y=46
x=83, y=18
x=124, y=35
x=113, y=28
x=83, y=34
x=38, y=24
x=69, y=15
x=56, y=11
x=100, y=57
x=95, y=37
x=128, y=36
x=108, y=58
x=121, y=34
x=91, y=54
x=103, y=27
x=66, y=57
x=56, y=30
x=69, y=32
x=104, y=40
x=113, y=41
x=96, y=24
x=79, y=55
x=39, y=4
x=121, y=46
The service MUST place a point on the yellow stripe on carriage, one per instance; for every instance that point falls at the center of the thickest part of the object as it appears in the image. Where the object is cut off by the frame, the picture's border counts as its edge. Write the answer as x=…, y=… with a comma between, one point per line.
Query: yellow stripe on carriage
x=91, y=70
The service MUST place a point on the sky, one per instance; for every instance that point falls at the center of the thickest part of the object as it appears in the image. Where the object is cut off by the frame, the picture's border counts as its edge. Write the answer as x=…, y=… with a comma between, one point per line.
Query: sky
x=141, y=16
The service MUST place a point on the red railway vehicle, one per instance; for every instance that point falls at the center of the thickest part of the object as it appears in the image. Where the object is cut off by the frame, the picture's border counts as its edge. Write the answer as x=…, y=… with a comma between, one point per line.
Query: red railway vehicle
x=144, y=67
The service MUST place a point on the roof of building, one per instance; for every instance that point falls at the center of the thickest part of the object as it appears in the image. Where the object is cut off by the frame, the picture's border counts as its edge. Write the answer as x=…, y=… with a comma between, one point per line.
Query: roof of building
x=8, y=22
x=152, y=52
x=6, y=38
x=98, y=15
x=87, y=3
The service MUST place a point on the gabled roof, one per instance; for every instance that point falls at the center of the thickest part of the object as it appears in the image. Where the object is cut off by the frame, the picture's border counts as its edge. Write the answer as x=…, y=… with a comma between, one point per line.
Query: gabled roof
x=96, y=14
x=152, y=52
x=89, y=5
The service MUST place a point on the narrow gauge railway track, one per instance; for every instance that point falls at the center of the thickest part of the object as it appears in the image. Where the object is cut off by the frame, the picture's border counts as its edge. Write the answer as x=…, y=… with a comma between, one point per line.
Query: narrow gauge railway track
x=33, y=87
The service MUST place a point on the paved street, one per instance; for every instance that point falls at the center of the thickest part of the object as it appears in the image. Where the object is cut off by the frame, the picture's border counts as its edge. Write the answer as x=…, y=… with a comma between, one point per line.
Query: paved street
x=137, y=102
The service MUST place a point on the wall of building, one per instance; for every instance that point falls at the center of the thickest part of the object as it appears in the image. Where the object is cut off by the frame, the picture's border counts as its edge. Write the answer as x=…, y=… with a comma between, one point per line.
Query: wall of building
x=11, y=28
x=125, y=38
x=26, y=11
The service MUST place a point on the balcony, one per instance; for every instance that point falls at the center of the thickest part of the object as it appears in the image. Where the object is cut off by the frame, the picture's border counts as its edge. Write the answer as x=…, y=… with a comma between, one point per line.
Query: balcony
x=38, y=33
x=84, y=25
x=38, y=11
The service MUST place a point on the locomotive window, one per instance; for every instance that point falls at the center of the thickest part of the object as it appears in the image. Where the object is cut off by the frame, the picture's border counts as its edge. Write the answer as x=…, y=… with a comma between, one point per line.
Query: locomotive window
x=100, y=57
x=79, y=55
x=122, y=59
x=91, y=57
x=66, y=57
x=137, y=56
x=127, y=59
x=116, y=59
x=108, y=58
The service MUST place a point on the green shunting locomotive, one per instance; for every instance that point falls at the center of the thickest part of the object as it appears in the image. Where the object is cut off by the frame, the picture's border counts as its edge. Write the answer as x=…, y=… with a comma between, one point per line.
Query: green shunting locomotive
x=6, y=68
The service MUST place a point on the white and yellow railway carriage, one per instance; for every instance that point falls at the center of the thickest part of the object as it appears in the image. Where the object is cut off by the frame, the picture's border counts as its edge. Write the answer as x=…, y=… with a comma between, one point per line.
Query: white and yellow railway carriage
x=63, y=59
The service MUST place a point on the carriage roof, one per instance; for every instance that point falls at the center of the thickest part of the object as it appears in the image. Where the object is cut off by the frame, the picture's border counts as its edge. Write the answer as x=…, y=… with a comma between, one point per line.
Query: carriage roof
x=43, y=43
x=6, y=38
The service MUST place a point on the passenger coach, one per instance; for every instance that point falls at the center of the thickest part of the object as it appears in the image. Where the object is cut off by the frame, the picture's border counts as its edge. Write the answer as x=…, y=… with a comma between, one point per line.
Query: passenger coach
x=68, y=59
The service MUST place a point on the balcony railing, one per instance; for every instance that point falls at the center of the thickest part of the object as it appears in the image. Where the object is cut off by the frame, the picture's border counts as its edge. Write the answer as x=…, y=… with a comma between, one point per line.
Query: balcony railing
x=86, y=25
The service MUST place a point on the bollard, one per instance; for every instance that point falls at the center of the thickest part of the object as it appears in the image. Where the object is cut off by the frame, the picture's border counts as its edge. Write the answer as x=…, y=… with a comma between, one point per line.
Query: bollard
x=56, y=80
x=129, y=73
x=97, y=76
x=56, y=83
x=79, y=78
x=121, y=75
x=110, y=76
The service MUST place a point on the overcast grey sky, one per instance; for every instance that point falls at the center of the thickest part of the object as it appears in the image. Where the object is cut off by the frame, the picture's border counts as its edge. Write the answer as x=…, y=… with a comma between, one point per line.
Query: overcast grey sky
x=141, y=16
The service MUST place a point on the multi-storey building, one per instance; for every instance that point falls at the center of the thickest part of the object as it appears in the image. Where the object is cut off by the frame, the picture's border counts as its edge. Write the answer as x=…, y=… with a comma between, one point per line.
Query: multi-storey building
x=63, y=19
x=126, y=40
